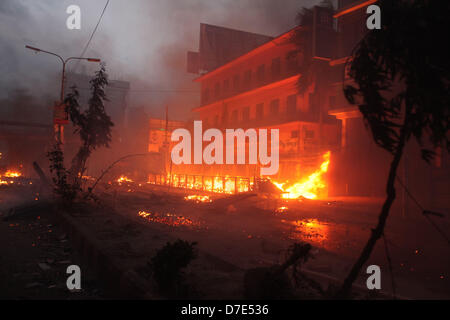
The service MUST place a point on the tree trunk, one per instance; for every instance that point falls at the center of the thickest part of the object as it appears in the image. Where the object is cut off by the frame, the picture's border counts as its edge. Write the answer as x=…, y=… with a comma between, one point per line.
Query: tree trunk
x=345, y=290
x=79, y=164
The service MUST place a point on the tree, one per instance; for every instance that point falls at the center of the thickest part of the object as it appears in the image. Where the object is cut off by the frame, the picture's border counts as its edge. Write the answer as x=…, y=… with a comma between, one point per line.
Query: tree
x=401, y=85
x=94, y=128
x=93, y=124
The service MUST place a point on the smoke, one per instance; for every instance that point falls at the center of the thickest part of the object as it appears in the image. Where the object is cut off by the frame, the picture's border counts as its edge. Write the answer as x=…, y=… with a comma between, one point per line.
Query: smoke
x=144, y=42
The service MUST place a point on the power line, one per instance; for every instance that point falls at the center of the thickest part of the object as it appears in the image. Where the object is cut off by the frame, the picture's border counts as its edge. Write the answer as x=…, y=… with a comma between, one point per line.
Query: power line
x=92, y=34
x=144, y=90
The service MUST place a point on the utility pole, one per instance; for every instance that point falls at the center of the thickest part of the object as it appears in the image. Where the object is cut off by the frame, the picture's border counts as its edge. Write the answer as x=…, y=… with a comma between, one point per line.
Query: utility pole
x=59, y=129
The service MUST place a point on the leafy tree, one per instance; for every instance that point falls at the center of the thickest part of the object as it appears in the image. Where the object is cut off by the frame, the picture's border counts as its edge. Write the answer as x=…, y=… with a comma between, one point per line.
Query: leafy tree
x=94, y=128
x=93, y=124
x=401, y=85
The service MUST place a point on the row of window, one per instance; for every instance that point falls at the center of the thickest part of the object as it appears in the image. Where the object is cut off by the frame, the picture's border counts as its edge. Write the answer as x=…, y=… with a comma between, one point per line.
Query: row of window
x=249, y=79
x=274, y=110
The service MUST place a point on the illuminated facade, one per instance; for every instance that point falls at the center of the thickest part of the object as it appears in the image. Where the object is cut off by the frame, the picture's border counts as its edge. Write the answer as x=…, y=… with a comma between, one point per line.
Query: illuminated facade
x=259, y=90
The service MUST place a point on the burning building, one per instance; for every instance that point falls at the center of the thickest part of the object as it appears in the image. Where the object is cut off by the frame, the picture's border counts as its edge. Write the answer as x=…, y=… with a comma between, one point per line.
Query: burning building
x=323, y=139
x=256, y=86
x=259, y=90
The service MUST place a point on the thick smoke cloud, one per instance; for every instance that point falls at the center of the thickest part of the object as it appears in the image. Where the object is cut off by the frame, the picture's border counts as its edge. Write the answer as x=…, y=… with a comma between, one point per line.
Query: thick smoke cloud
x=142, y=41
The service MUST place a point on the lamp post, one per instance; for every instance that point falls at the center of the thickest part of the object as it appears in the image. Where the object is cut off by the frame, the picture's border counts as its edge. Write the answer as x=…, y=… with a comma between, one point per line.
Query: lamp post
x=58, y=127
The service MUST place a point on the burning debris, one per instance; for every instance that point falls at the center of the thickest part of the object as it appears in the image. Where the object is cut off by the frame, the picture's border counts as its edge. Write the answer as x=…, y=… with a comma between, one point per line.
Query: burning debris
x=123, y=179
x=169, y=219
x=198, y=198
x=12, y=174
x=309, y=230
x=282, y=209
x=9, y=177
x=308, y=188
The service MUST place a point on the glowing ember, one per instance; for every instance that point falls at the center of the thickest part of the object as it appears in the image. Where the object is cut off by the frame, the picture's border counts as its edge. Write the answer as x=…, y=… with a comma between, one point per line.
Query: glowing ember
x=281, y=209
x=123, y=179
x=198, y=198
x=309, y=187
x=310, y=230
x=168, y=219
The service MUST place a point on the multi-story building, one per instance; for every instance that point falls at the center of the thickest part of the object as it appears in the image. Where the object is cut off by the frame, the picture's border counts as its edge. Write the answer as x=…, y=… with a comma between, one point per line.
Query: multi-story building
x=259, y=89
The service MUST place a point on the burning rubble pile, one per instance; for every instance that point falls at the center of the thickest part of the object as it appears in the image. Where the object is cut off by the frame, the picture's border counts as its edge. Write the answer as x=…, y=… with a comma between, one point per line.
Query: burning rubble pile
x=13, y=177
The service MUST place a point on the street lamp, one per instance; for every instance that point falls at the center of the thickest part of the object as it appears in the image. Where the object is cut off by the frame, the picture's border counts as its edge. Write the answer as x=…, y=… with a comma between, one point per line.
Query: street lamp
x=58, y=127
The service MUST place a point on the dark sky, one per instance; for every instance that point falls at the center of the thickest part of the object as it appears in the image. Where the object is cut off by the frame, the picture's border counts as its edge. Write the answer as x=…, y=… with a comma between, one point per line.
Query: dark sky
x=141, y=41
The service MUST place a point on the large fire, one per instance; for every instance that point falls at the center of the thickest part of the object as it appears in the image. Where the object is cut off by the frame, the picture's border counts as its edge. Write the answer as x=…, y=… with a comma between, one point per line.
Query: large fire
x=310, y=187
x=12, y=174
x=9, y=174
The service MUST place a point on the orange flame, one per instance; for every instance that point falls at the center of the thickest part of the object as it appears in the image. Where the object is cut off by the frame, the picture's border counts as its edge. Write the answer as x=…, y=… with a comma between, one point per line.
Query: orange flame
x=123, y=179
x=9, y=174
x=198, y=198
x=12, y=174
x=309, y=187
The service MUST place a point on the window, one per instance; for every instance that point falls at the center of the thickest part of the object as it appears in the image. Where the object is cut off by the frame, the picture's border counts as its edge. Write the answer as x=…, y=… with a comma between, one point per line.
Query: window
x=291, y=104
x=248, y=79
x=236, y=82
x=292, y=62
x=276, y=68
x=226, y=86
x=274, y=106
x=260, y=111
x=332, y=101
x=217, y=90
x=295, y=134
x=311, y=103
x=325, y=19
x=205, y=95
x=234, y=116
x=246, y=114
x=309, y=134
x=260, y=73
x=225, y=114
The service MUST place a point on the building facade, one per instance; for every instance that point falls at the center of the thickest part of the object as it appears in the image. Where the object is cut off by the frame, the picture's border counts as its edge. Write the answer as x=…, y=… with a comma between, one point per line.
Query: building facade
x=259, y=89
